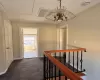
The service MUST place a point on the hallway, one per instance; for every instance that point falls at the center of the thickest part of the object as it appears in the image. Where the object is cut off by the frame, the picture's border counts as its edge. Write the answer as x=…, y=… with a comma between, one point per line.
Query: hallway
x=20, y=70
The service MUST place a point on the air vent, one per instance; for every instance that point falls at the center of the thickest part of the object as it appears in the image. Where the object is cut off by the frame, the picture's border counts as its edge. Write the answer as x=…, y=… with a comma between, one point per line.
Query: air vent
x=86, y=2
x=42, y=12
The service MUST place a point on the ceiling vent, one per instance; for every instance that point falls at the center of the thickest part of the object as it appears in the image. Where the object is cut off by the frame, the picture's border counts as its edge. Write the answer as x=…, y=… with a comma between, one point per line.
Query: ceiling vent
x=42, y=12
x=85, y=2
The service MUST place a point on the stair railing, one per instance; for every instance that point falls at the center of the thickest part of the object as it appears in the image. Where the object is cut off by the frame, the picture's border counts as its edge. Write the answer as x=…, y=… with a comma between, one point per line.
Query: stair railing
x=57, y=67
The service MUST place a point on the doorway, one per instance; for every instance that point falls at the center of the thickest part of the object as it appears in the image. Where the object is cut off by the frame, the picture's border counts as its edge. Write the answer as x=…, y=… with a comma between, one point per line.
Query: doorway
x=30, y=43
x=62, y=38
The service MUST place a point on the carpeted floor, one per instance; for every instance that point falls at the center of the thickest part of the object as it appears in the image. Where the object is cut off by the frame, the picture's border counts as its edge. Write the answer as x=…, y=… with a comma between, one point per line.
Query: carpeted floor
x=27, y=69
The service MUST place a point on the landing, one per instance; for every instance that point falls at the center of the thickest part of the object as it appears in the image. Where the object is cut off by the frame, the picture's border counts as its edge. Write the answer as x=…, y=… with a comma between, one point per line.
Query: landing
x=27, y=69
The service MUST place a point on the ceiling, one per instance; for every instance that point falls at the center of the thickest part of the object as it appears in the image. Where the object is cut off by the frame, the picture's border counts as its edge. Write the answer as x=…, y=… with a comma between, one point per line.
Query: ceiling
x=28, y=10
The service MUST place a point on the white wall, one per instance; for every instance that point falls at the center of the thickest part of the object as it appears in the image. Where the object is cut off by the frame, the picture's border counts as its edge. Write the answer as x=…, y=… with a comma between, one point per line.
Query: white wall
x=85, y=30
x=3, y=56
x=46, y=37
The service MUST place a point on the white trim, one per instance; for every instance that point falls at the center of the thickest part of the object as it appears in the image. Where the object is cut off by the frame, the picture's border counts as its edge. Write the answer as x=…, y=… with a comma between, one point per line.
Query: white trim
x=38, y=42
x=40, y=56
x=21, y=43
x=18, y=58
x=67, y=32
x=84, y=77
x=1, y=73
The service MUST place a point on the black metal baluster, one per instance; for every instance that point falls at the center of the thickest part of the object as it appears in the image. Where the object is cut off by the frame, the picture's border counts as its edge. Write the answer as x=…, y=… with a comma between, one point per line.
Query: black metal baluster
x=59, y=75
x=49, y=69
x=73, y=61
x=55, y=72
x=65, y=78
x=77, y=61
x=59, y=69
x=60, y=57
x=65, y=62
x=55, y=68
x=69, y=59
x=52, y=71
x=81, y=61
x=64, y=58
x=44, y=68
x=55, y=55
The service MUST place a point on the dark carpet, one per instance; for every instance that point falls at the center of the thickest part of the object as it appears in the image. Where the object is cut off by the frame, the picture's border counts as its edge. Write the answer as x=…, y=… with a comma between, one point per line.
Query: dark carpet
x=26, y=69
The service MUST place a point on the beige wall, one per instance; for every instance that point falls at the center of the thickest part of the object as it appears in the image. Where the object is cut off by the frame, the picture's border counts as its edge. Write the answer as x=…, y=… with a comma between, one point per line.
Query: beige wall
x=85, y=31
x=29, y=31
x=46, y=37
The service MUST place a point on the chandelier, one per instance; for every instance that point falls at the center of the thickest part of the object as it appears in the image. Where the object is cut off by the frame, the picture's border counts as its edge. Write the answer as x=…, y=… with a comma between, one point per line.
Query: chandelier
x=59, y=14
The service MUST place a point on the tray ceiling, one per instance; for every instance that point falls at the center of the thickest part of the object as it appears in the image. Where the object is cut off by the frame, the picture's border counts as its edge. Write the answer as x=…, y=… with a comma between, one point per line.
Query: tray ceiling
x=28, y=10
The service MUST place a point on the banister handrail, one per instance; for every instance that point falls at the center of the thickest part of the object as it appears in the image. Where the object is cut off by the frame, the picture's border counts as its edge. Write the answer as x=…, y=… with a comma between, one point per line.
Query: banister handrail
x=66, y=71
x=67, y=50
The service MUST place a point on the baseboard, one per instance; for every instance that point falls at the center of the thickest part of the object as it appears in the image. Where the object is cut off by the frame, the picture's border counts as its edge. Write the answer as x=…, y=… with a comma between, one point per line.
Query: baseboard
x=18, y=58
x=3, y=72
x=6, y=69
x=84, y=77
x=40, y=56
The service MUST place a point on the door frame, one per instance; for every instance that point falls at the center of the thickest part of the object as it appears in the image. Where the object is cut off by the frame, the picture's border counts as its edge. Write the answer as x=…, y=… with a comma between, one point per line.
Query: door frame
x=35, y=40
x=59, y=31
x=22, y=44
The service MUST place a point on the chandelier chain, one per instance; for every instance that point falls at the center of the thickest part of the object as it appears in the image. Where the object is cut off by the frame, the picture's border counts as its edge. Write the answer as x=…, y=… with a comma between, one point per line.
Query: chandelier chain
x=60, y=4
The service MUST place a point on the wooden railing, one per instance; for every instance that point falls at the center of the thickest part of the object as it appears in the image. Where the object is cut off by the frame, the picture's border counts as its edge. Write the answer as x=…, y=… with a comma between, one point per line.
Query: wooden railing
x=54, y=69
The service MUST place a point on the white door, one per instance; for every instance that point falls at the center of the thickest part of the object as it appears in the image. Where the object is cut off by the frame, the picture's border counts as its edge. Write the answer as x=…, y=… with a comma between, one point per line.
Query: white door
x=8, y=42
x=21, y=43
